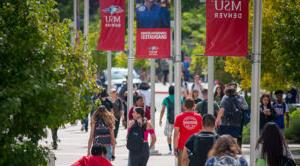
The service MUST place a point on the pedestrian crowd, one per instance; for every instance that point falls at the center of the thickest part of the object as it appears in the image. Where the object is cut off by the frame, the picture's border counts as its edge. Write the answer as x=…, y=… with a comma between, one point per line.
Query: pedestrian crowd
x=195, y=137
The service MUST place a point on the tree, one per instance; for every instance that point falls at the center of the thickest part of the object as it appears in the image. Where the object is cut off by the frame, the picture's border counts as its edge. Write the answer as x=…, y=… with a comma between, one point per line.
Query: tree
x=280, y=48
x=44, y=81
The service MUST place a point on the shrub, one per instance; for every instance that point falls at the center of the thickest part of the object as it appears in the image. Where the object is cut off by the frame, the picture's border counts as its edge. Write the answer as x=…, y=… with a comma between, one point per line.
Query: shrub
x=293, y=132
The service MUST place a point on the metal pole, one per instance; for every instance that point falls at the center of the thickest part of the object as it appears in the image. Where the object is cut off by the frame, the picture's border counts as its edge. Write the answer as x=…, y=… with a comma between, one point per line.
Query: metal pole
x=211, y=72
x=109, y=71
x=152, y=80
x=256, y=69
x=86, y=24
x=177, y=70
x=171, y=58
x=74, y=22
x=130, y=56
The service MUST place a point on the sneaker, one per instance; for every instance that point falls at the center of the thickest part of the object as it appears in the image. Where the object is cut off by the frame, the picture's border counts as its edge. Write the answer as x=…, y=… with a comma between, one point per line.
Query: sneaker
x=170, y=153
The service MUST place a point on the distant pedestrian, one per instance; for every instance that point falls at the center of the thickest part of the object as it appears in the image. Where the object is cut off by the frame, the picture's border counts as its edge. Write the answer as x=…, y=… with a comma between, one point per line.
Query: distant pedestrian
x=139, y=102
x=219, y=93
x=168, y=103
x=197, y=85
x=117, y=109
x=186, y=124
x=202, y=107
x=197, y=147
x=137, y=138
x=165, y=71
x=272, y=147
x=291, y=96
x=195, y=96
x=104, y=98
x=145, y=91
x=281, y=110
x=229, y=119
x=102, y=131
x=96, y=159
x=225, y=152
x=267, y=113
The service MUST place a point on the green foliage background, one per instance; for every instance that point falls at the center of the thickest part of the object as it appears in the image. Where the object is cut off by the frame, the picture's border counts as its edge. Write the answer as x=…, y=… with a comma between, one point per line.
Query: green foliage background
x=44, y=81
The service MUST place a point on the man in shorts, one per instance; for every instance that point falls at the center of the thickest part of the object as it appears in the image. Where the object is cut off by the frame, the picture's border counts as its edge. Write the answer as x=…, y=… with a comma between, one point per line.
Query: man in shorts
x=168, y=103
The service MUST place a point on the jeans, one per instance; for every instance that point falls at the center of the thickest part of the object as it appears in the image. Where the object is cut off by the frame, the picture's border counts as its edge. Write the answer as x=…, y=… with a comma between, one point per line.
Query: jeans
x=116, y=130
x=109, y=152
x=141, y=158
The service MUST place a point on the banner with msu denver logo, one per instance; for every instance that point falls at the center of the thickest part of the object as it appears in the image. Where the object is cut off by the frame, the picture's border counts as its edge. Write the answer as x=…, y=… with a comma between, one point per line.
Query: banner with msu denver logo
x=227, y=27
x=112, y=36
x=153, y=29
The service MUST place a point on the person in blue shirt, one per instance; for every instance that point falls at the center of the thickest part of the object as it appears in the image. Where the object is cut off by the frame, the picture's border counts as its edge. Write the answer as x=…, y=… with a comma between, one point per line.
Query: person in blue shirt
x=152, y=15
x=281, y=110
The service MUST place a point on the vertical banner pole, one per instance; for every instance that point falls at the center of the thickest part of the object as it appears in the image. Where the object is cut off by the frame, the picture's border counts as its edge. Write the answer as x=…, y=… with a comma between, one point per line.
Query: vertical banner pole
x=211, y=71
x=177, y=45
x=172, y=55
x=74, y=21
x=152, y=80
x=109, y=66
x=256, y=69
x=86, y=24
x=130, y=56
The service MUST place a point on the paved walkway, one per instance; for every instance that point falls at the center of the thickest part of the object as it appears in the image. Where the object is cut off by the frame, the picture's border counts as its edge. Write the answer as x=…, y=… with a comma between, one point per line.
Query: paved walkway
x=73, y=143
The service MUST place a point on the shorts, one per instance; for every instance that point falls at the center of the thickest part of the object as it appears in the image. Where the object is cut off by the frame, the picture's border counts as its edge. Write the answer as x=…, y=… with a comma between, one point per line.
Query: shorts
x=168, y=129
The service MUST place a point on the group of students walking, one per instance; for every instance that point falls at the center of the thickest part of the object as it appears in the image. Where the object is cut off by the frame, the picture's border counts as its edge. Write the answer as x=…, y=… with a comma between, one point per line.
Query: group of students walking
x=195, y=137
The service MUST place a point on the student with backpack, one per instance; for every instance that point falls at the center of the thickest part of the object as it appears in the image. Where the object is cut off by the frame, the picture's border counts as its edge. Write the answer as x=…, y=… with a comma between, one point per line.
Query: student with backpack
x=225, y=152
x=230, y=116
x=272, y=147
x=186, y=124
x=202, y=107
x=137, y=138
x=168, y=103
x=197, y=147
x=102, y=131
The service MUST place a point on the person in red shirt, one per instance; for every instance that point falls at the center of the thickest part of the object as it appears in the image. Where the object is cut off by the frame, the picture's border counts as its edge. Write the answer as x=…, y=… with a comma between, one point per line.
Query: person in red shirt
x=186, y=124
x=139, y=102
x=97, y=158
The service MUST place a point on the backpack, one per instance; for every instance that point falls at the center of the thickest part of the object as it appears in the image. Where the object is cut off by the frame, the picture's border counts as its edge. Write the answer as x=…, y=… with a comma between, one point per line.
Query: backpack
x=170, y=111
x=102, y=133
x=233, y=114
x=227, y=161
x=135, y=138
x=202, y=144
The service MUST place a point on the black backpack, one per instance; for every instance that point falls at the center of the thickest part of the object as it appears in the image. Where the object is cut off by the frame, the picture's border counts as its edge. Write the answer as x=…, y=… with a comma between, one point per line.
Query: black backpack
x=202, y=144
x=170, y=110
x=285, y=161
x=135, y=138
x=233, y=114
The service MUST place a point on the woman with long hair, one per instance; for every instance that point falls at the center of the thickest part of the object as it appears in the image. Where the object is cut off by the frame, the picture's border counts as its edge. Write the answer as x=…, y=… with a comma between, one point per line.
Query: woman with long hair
x=272, y=146
x=140, y=158
x=219, y=93
x=266, y=110
x=102, y=131
x=225, y=151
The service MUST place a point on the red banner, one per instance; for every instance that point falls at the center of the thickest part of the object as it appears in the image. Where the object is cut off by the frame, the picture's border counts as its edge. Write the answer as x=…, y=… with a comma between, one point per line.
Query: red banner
x=227, y=27
x=112, y=36
x=153, y=43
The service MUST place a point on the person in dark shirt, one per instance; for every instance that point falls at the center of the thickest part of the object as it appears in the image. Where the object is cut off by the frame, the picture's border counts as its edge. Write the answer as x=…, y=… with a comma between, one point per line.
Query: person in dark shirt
x=197, y=147
x=105, y=101
x=151, y=15
x=267, y=113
